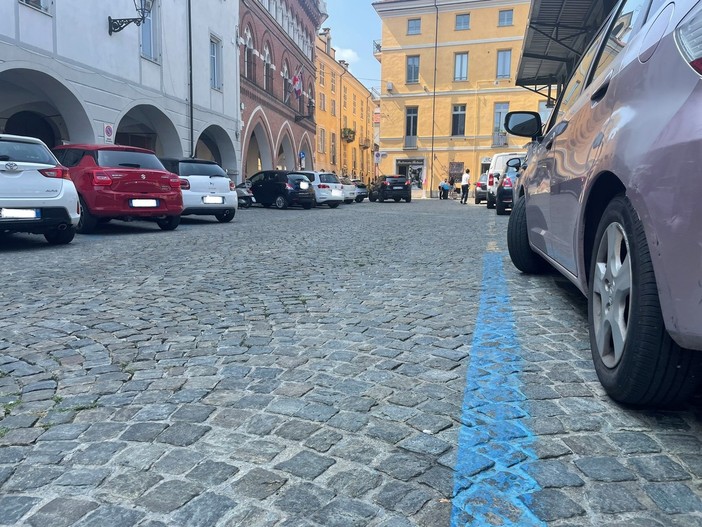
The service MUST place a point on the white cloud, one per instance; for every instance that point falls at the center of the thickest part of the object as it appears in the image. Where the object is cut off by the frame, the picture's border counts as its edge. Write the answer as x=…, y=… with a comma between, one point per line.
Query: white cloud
x=348, y=55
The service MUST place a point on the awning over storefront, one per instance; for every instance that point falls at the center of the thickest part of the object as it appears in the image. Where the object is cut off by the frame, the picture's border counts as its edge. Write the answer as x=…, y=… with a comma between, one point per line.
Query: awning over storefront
x=559, y=31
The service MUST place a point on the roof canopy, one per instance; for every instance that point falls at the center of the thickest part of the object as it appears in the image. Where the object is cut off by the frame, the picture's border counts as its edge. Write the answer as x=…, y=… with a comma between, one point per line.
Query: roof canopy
x=558, y=33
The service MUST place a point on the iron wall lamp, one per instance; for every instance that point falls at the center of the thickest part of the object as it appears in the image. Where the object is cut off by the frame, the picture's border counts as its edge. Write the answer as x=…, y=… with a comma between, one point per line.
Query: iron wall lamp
x=143, y=8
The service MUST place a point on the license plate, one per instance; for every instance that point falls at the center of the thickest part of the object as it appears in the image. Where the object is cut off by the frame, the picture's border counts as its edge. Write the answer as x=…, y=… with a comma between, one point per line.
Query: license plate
x=143, y=203
x=213, y=199
x=23, y=214
x=397, y=188
x=336, y=193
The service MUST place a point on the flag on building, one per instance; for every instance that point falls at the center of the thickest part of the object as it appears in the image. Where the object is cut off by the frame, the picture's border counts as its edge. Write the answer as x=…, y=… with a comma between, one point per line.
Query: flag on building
x=297, y=83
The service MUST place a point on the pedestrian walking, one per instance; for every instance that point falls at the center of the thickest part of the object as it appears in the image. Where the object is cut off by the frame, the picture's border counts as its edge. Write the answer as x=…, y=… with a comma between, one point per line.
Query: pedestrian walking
x=444, y=189
x=465, y=185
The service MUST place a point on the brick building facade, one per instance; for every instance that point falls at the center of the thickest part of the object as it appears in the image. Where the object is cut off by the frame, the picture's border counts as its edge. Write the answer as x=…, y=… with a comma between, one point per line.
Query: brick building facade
x=277, y=51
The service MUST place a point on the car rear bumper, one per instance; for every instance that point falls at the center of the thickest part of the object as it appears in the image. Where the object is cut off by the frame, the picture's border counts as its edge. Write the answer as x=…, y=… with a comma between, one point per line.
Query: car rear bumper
x=505, y=196
x=109, y=204
x=196, y=201
x=392, y=193
x=52, y=218
x=301, y=198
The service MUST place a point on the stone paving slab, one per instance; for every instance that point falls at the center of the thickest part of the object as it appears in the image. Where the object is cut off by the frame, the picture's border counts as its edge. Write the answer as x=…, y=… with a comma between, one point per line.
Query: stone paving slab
x=269, y=373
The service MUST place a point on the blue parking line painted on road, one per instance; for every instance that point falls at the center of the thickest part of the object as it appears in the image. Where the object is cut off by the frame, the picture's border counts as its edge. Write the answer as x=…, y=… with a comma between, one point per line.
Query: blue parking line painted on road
x=490, y=487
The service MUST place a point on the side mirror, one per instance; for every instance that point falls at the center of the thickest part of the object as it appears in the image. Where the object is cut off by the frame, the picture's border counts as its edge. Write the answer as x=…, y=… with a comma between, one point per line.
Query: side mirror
x=514, y=163
x=523, y=124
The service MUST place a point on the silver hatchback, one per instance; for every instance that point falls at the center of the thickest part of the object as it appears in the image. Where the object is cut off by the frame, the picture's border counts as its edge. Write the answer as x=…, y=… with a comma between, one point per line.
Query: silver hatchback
x=611, y=198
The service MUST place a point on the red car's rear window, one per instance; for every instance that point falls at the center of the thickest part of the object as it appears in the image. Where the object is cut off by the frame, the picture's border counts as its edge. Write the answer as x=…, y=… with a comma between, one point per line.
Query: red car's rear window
x=127, y=159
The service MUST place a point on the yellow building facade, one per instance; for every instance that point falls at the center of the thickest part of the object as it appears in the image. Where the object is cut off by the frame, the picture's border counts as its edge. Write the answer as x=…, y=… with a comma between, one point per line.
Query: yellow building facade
x=344, y=116
x=448, y=79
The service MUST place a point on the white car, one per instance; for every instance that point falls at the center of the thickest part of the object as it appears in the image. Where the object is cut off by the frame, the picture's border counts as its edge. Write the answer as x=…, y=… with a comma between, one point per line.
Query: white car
x=349, y=189
x=327, y=187
x=206, y=187
x=37, y=195
x=496, y=171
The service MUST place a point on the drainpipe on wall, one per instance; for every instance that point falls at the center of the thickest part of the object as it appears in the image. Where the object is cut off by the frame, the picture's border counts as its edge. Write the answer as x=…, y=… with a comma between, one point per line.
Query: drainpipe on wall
x=433, y=102
x=340, y=110
x=191, y=105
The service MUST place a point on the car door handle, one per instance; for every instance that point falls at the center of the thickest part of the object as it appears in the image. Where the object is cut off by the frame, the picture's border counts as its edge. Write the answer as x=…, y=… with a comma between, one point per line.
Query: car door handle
x=602, y=90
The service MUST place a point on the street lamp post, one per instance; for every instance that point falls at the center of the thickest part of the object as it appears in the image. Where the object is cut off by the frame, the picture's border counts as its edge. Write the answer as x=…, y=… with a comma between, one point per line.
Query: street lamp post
x=143, y=8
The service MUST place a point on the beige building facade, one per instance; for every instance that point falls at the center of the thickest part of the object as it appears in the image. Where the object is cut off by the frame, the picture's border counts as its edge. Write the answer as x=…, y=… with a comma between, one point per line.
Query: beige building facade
x=344, y=115
x=448, y=78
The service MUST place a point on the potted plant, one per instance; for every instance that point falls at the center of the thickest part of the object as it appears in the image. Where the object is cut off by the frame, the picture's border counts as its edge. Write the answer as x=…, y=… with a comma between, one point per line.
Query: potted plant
x=348, y=134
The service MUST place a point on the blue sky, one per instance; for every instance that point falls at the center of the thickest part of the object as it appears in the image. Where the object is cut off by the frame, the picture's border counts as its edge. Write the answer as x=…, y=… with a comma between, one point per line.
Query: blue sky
x=354, y=26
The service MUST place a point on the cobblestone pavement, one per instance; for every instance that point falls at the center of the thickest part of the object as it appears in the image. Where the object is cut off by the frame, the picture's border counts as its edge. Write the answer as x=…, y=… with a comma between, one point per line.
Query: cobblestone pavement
x=377, y=364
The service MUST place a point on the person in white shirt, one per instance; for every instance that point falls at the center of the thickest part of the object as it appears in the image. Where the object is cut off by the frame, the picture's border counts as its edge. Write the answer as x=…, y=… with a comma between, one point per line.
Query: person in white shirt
x=465, y=185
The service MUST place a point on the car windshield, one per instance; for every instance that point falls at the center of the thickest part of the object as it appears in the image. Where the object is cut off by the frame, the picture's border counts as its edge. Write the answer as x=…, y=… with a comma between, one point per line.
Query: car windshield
x=25, y=152
x=328, y=178
x=128, y=159
x=201, y=169
x=298, y=177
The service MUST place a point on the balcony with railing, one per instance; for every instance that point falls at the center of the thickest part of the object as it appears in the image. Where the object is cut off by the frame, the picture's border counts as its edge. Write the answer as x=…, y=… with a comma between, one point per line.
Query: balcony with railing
x=377, y=49
x=410, y=142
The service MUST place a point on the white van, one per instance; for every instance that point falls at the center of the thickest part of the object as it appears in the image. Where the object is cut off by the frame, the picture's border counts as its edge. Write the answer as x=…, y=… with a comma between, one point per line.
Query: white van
x=497, y=168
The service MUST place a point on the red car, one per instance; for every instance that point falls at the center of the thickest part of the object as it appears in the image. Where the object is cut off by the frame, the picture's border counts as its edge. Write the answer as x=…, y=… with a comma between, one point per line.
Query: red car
x=121, y=182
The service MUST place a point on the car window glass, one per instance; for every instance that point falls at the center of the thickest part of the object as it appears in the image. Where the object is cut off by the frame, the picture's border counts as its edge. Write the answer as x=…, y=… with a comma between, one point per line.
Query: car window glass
x=71, y=157
x=200, y=169
x=25, y=152
x=128, y=159
x=298, y=177
x=255, y=178
x=623, y=29
x=329, y=178
x=577, y=81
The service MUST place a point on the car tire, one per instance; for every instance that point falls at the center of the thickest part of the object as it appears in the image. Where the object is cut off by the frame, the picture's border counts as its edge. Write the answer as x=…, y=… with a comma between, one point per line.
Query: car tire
x=226, y=216
x=333, y=205
x=359, y=200
x=372, y=198
x=87, y=222
x=169, y=223
x=490, y=202
x=500, y=209
x=281, y=202
x=381, y=199
x=642, y=366
x=477, y=201
x=57, y=237
x=521, y=254
x=408, y=200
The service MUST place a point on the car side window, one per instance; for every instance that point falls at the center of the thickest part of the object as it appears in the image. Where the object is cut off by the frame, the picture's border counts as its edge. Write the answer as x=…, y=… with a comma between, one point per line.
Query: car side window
x=70, y=157
x=577, y=81
x=623, y=29
x=256, y=178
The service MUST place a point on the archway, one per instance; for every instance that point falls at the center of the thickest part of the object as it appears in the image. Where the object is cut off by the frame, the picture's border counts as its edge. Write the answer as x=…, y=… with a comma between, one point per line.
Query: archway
x=258, y=151
x=146, y=126
x=286, y=158
x=215, y=144
x=306, y=159
x=36, y=104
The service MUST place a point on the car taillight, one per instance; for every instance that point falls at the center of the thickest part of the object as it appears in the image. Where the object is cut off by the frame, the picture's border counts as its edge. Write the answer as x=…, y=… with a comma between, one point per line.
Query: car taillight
x=101, y=180
x=408, y=183
x=689, y=37
x=491, y=180
x=385, y=183
x=289, y=186
x=323, y=185
x=55, y=173
x=507, y=182
x=232, y=186
x=175, y=182
x=184, y=184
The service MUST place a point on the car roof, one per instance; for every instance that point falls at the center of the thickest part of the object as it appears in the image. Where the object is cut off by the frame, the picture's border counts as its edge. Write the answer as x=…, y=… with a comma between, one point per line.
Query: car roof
x=123, y=148
x=21, y=138
x=189, y=160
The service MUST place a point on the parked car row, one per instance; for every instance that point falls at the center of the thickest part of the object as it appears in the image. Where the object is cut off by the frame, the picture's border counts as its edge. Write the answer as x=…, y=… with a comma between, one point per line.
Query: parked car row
x=305, y=188
x=77, y=187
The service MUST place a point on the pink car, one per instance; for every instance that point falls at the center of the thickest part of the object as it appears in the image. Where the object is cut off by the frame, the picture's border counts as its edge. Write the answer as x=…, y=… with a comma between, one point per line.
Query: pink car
x=611, y=197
